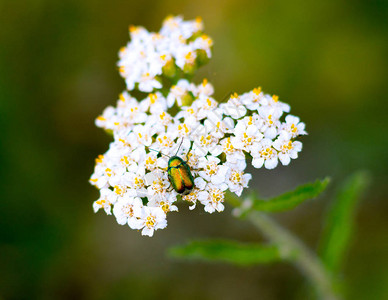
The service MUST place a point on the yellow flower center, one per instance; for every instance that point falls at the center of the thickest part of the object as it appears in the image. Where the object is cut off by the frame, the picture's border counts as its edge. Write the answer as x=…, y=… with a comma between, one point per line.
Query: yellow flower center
x=236, y=177
x=165, y=206
x=216, y=195
x=257, y=90
x=138, y=182
x=153, y=98
x=99, y=159
x=119, y=190
x=294, y=129
x=128, y=210
x=211, y=168
x=108, y=172
x=102, y=202
x=151, y=220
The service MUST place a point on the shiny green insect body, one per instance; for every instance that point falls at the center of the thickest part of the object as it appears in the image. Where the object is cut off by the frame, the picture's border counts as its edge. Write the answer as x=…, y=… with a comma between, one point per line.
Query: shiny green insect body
x=180, y=175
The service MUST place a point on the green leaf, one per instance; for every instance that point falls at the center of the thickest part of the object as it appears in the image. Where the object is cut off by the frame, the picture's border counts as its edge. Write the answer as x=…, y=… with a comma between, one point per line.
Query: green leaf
x=291, y=199
x=242, y=254
x=340, y=221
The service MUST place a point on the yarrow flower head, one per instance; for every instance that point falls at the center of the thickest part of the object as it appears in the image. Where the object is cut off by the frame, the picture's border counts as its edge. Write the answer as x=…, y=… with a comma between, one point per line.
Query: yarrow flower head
x=178, y=143
x=179, y=46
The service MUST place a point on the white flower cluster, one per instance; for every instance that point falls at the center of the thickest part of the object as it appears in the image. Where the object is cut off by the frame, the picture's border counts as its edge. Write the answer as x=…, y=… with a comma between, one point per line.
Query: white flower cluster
x=259, y=130
x=185, y=120
x=178, y=46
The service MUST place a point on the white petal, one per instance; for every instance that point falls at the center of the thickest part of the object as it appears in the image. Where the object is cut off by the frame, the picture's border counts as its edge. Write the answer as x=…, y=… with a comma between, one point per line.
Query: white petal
x=96, y=207
x=238, y=192
x=290, y=119
x=210, y=209
x=202, y=196
x=284, y=158
x=220, y=207
x=297, y=146
x=271, y=133
x=135, y=223
x=162, y=224
x=199, y=183
x=293, y=154
x=121, y=219
x=218, y=179
x=147, y=231
x=258, y=162
x=271, y=163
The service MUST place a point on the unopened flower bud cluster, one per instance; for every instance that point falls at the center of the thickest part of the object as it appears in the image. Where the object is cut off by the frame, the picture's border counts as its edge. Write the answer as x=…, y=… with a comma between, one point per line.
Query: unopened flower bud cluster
x=184, y=120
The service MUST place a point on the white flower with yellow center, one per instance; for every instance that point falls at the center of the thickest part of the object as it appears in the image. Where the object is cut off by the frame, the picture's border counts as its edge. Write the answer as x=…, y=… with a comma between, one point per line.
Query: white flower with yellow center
x=232, y=154
x=106, y=200
x=204, y=43
x=265, y=155
x=206, y=107
x=212, y=198
x=140, y=136
x=213, y=171
x=107, y=119
x=234, y=108
x=136, y=182
x=129, y=110
x=185, y=56
x=189, y=114
x=114, y=174
x=159, y=185
x=293, y=127
x=192, y=160
x=151, y=161
x=153, y=218
x=97, y=179
x=165, y=202
x=253, y=120
x=179, y=91
x=155, y=103
x=126, y=161
x=271, y=121
x=192, y=198
x=236, y=179
x=205, y=142
x=287, y=149
x=119, y=190
x=253, y=100
x=164, y=142
x=205, y=89
x=217, y=126
x=273, y=102
x=184, y=130
x=246, y=137
x=128, y=210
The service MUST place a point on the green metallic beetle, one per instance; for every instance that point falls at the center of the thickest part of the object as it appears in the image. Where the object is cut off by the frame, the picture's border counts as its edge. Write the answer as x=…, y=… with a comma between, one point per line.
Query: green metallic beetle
x=179, y=173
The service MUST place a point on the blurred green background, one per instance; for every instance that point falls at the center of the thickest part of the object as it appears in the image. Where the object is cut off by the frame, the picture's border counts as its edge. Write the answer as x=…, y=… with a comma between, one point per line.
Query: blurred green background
x=328, y=59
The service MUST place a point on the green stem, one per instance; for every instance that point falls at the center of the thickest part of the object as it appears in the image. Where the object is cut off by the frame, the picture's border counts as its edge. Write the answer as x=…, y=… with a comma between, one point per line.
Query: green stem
x=302, y=257
x=294, y=250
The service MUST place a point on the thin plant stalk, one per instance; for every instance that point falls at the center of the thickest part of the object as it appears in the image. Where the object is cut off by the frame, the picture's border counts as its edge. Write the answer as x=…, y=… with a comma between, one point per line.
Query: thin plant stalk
x=293, y=250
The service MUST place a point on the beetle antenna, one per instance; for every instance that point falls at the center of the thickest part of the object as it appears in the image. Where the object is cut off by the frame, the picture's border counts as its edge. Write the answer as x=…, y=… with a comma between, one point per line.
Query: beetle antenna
x=179, y=147
x=191, y=147
x=157, y=151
